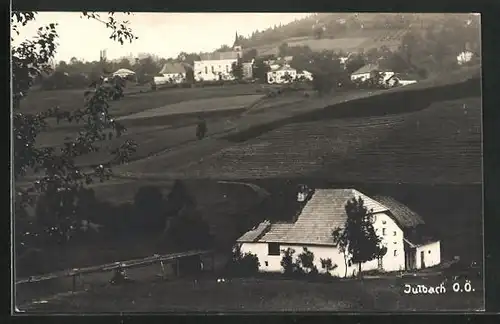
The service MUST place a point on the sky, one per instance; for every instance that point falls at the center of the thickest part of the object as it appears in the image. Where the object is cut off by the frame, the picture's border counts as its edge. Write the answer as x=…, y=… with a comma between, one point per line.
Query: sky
x=162, y=34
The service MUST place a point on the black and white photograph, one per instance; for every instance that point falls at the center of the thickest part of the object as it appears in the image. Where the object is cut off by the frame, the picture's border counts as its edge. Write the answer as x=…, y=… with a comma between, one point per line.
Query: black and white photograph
x=238, y=162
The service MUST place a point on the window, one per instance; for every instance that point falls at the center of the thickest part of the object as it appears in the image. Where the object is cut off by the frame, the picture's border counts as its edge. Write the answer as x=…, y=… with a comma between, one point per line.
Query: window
x=273, y=249
x=227, y=68
x=394, y=233
x=374, y=218
x=266, y=263
x=383, y=231
x=206, y=70
x=384, y=222
x=395, y=242
x=429, y=251
x=213, y=69
x=395, y=252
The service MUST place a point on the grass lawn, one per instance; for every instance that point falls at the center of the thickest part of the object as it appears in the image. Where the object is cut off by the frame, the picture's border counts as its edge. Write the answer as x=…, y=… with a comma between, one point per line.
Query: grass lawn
x=439, y=144
x=133, y=103
x=200, y=105
x=271, y=295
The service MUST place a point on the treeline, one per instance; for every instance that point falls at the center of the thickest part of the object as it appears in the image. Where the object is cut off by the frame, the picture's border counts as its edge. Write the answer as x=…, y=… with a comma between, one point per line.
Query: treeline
x=421, y=54
x=174, y=219
x=338, y=24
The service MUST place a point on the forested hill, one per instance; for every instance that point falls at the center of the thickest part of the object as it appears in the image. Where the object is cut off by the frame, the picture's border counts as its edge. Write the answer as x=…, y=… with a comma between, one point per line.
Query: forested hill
x=362, y=28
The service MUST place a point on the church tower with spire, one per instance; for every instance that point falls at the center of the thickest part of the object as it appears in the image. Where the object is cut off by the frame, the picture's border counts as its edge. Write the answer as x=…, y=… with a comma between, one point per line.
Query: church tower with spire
x=237, y=44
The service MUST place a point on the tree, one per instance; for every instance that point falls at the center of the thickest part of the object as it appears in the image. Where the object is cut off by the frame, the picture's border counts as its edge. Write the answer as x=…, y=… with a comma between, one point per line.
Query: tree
x=306, y=261
x=249, y=55
x=357, y=240
x=287, y=262
x=149, y=206
x=319, y=32
x=260, y=69
x=58, y=178
x=328, y=265
x=146, y=69
x=355, y=63
x=246, y=264
x=283, y=50
x=237, y=70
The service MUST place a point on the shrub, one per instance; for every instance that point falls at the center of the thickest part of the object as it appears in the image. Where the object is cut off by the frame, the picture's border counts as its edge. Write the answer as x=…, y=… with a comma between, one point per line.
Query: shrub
x=306, y=262
x=287, y=262
x=328, y=266
x=243, y=264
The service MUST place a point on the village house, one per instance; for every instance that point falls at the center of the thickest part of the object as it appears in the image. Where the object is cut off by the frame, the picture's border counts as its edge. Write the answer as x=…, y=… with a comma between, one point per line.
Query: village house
x=464, y=57
x=172, y=73
x=218, y=66
x=364, y=73
x=402, y=231
x=305, y=75
x=279, y=75
x=401, y=79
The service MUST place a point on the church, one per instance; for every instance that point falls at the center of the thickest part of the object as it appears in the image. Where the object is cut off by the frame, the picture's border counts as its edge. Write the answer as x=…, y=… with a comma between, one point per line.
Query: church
x=218, y=65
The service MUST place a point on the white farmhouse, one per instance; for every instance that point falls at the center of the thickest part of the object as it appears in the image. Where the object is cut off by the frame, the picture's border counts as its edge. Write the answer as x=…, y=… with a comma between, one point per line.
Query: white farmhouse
x=400, y=79
x=401, y=231
x=306, y=75
x=366, y=72
x=279, y=75
x=172, y=73
x=464, y=57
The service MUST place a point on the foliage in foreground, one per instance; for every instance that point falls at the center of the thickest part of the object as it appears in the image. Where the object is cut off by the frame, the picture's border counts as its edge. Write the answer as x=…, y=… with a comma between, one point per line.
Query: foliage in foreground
x=58, y=179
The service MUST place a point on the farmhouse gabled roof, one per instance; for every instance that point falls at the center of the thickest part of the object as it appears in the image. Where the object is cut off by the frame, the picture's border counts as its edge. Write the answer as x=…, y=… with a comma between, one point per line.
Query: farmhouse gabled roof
x=324, y=212
x=171, y=68
x=403, y=215
x=368, y=68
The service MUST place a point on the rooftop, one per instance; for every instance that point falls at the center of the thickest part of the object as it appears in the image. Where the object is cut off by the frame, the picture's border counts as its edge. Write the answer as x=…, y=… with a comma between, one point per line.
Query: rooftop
x=324, y=212
x=369, y=68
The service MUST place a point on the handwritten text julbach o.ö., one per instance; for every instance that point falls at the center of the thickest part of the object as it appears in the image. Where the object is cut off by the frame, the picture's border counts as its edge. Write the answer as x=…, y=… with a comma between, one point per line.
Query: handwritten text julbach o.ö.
x=421, y=289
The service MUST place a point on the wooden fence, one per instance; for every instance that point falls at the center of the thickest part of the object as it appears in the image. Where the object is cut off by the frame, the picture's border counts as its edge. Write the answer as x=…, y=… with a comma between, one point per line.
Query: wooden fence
x=117, y=266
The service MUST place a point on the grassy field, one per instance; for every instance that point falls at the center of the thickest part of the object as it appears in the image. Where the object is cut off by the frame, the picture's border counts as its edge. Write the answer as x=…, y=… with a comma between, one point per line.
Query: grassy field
x=439, y=144
x=354, y=41
x=134, y=103
x=257, y=295
x=200, y=105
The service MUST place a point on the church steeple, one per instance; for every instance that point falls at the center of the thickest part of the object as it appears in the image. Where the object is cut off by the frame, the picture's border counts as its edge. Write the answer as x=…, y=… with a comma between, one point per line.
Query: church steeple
x=236, y=40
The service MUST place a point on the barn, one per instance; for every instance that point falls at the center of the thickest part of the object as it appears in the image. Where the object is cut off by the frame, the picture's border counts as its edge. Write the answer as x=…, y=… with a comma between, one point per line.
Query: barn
x=409, y=244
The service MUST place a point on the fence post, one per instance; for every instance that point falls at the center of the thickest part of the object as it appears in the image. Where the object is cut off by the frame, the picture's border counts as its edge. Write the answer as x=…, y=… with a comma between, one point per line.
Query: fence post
x=74, y=282
x=163, y=275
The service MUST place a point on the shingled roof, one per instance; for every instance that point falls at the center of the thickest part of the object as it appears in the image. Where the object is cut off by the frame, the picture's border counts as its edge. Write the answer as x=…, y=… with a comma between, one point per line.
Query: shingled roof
x=403, y=215
x=368, y=68
x=172, y=68
x=324, y=212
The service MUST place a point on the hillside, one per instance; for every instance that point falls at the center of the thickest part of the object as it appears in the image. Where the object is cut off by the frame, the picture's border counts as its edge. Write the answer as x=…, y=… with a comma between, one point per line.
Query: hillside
x=410, y=137
x=344, y=31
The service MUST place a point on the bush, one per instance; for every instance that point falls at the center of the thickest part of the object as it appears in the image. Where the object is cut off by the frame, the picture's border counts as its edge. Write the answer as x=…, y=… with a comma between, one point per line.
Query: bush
x=243, y=265
x=287, y=262
x=306, y=262
x=327, y=265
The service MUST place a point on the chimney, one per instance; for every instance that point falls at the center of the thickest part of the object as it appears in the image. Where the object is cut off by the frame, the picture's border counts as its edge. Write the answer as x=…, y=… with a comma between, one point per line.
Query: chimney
x=302, y=193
